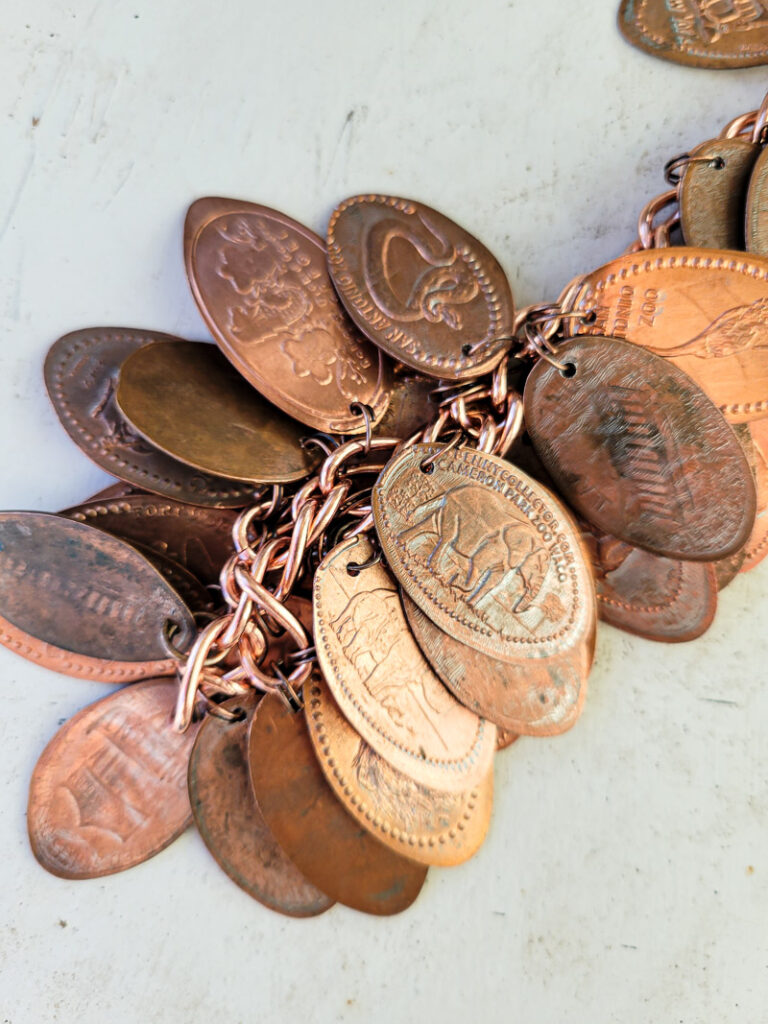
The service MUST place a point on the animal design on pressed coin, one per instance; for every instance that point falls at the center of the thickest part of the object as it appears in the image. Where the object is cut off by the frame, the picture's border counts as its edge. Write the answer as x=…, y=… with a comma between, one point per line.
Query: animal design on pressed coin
x=740, y=329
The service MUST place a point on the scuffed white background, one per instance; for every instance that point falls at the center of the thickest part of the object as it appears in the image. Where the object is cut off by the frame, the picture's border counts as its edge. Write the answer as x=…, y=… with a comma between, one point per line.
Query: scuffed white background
x=625, y=878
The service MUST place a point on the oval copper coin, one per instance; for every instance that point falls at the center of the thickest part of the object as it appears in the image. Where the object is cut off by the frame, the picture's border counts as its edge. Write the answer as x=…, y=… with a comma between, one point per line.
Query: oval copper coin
x=756, y=221
x=429, y=826
x=198, y=538
x=196, y=596
x=261, y=282
x=69, y=592
x=110, y=789
x=756, y=547
x=713, y=192
x=382, y=682
x=189, y=402
x=533, y=697
x=420, y=286
x=706, y=311
x=412, y=405
x=81, y=372
x=637, y=448
x=658, y=598
x=325, y=843
x=486, y=552
x=231, y=824
x=703, y=33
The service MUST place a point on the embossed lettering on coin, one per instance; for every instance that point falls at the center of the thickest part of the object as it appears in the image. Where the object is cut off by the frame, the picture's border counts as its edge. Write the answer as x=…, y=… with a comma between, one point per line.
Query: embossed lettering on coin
x=325, y=843
x=420, y=286
x=639, y=450
x=382, y=682
x=704, y=33
x=81, y=376
x=69, y=591
x=486, y=552
x=426, y=825
x=109, y=790
x=706, y=311
x=261, y=282
x=713, y=193
x=231, y=824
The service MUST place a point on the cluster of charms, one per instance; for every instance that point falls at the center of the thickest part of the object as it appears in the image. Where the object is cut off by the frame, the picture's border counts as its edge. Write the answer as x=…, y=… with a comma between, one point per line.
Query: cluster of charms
x=362, y=542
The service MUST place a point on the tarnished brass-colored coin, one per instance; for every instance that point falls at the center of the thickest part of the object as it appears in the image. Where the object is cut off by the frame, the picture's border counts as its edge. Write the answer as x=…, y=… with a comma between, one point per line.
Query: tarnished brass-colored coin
x=636, y=447
x=429, y=826
x=703, y=33
x=325, y=843
x=533, y=697
x=382, y=682
x=197, y=538
x=420, y=286
x=78, y=601
x=756, y=221
x=657, y=598
x=188, y=401
x=756, y=547
x=261, y=282
x=109, y=790
x=412, y=404
x=487, y=553
x=231, y=824
x=81, y=372
x=713, y=192
x=706, y=311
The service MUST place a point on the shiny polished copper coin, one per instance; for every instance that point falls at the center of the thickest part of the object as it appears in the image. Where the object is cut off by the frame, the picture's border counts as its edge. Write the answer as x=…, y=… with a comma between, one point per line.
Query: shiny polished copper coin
x=412, y=404
x=533, y=697
x=487, y=553
x=657, y=598
x=713, y=193
x=382, y=682
x=231, y=824
x=756, y=547
x=418, y=285
x=706, y=311
x=325, y=843
x=703, y=33
x=756, y=221
x=81, y=371
x=79, y=601
x=109, y=790
x=197, y=538
x=429, y=826
x=262, y=285
x=637, y=448
x=188, y=401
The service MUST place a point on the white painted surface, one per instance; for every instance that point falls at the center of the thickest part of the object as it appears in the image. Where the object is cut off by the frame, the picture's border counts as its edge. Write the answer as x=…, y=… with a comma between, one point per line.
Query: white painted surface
x=625, y=878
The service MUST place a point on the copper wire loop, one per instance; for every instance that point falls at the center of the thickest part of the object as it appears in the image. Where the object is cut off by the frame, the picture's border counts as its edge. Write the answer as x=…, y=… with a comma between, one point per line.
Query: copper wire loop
x=538, y=345
x=367, y=413
x=741, y=125
x=428, y=461
x=646, y=221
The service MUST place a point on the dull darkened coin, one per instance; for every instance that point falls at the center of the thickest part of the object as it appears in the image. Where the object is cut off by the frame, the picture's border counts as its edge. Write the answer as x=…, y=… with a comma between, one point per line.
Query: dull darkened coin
x=261, y=282
x=109, y=791
x=420, y=286
x=81, y=371
x=195, y=595
x=703, y=33
x=637, y=448
x=713, y=193
x=756, y=221
x=190, y=402
x=197, y=538
x=325, y=843
x=69, y=593
x=412, y=404
x=231, y=824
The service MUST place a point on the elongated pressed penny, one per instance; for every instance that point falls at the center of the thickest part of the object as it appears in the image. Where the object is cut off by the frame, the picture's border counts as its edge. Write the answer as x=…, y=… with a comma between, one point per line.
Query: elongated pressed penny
x=485, y=551
x=426, y=825
x=702, y=33
x=190, y=402
x=661, y=599
x=195, y=595
x=261, y=282
x=81, y=371
x=382, y=682
x=231, y=824
x=420, y=286
x=332, y=850
x=713, y=193
x=638, y=449
x=533, y=697
x=705, y=311
x=74, y=599
x=412, y=404
x=756, y=547
x=109, y=791
x=756, y=220
x=198, y=538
